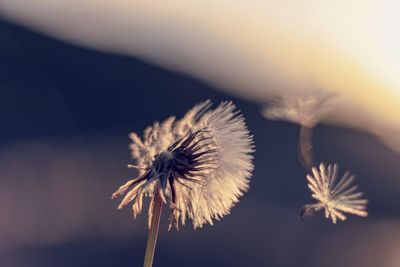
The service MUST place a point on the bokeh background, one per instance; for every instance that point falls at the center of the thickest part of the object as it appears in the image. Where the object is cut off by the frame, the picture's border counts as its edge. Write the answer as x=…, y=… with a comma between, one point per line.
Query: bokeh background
x=65, y=116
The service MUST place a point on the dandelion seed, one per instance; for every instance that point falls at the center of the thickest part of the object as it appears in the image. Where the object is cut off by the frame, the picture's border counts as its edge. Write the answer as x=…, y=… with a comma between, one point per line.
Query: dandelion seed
x=305, y=111
x=199, y=165
x=336, y=197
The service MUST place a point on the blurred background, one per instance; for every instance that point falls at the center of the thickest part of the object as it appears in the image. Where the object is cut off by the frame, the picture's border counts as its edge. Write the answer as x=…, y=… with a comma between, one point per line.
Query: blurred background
x=65, y=115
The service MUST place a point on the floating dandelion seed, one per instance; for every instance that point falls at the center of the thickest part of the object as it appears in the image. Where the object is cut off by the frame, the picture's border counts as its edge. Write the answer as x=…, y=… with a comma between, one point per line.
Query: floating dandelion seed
x=199, y=165
x=335, y=196
x=305, y=111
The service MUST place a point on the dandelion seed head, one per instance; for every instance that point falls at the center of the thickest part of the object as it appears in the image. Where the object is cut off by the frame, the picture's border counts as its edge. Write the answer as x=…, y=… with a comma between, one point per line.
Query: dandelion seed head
x=304, y=110
x=335, y=196
x=201, y=163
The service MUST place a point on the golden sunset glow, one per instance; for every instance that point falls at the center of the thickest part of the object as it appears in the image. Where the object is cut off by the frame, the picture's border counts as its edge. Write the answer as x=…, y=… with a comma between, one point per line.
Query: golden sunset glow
x=257, y=48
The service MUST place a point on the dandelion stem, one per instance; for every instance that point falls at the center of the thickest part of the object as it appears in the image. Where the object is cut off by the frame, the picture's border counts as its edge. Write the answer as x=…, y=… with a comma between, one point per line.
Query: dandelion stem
x=153, y=231
x=306, y=154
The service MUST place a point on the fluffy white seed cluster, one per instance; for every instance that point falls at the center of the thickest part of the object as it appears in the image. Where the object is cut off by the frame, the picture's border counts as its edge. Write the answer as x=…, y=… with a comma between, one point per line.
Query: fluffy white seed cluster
x=221, y=148
x=335, y=196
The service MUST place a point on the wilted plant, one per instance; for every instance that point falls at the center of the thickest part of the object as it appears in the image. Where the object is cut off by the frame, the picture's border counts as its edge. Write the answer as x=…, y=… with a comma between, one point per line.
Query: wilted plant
x=199, y=165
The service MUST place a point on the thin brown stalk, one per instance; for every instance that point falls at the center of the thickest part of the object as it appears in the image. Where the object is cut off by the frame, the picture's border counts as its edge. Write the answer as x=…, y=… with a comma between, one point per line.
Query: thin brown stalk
x=306, y=154
x=153, y=230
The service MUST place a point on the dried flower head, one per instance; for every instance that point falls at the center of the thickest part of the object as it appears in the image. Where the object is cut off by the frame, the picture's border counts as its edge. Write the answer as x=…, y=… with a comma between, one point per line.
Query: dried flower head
x=304, y=110
x=335, y=196
x=200, y=164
